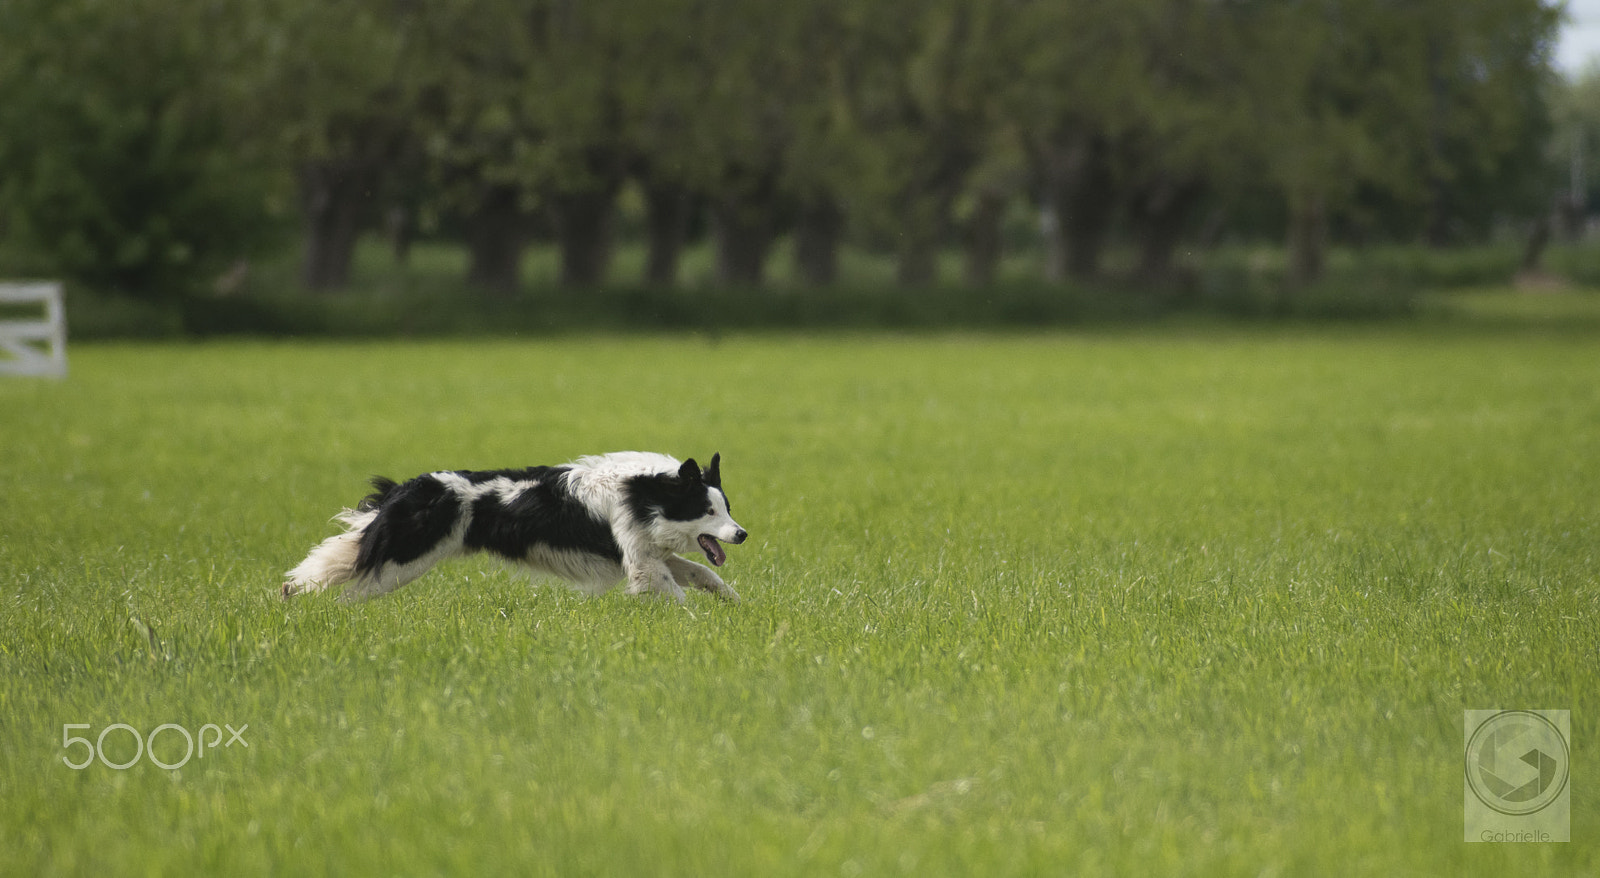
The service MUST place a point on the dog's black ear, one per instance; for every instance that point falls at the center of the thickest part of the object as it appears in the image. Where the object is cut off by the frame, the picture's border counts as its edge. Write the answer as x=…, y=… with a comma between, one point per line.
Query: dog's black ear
x=713, y=474
x=690, y=472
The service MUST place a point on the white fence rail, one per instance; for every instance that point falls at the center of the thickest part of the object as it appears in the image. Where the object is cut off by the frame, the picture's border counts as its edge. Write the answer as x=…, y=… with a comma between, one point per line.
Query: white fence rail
x=35, y=346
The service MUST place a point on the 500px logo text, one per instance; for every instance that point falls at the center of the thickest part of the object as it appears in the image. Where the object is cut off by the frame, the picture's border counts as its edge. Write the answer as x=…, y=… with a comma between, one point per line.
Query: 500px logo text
x=146, y=745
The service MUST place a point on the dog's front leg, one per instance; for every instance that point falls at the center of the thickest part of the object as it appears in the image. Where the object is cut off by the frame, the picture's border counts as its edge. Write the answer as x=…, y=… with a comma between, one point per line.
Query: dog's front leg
x=691, y=575
x=646, y=576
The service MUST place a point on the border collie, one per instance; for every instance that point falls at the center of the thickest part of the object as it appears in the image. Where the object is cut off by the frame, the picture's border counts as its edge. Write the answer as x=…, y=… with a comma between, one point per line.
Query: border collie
x=593, y=522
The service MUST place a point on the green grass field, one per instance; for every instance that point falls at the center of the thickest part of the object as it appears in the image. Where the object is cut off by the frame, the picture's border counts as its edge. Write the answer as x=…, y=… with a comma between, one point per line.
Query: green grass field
x=1131, y=601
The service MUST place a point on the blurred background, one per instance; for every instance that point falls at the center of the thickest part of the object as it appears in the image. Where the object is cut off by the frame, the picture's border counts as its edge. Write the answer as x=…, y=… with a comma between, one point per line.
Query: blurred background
x=371, y=166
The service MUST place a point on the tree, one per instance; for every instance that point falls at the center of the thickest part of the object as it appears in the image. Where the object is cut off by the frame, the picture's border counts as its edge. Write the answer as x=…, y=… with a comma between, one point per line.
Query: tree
x=663, y=79
x=1185, y=134
x=757, y=84
x=827, y=155
x=1573, y=151
x=1433, y=105
x=926, y=118
x=572, y=96
x=547, y=108
x=125, y=163
x=340, y=88
x=145, y=143
x=1487, y=119
x=477, y=135
x=1079, y=71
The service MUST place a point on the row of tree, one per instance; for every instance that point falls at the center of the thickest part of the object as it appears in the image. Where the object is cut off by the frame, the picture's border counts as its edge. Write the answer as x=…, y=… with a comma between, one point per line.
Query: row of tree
x=144, y=143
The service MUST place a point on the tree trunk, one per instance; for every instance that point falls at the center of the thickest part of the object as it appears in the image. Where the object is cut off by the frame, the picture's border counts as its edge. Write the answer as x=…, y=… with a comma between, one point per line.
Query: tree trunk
x=1437, y=232
x=1538, y=240
x=496, y=239
x=918, y=260
x=400, y=224
x=1080, y=193
x=1160, y=214
x=1055, y=248
x=667, y=207
x=743, y=225
x=404, y=198
x=1308, y=239
x=1086, y=216
x=925, y=216
x=983, y=236
x=583, y=227
x=816, y=242
x=334, y=196
x=1436, y=229
x=925, y=206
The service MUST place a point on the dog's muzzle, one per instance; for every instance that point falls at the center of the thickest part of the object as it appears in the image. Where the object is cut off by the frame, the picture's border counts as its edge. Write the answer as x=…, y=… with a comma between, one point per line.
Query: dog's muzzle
x=713, y=548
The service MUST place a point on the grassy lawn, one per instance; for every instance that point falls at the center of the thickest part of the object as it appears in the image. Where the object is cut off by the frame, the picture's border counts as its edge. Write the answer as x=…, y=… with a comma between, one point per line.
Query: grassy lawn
x=1169, y=601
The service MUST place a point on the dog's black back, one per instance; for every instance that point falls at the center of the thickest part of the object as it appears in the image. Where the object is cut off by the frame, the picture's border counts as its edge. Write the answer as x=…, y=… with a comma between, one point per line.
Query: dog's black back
x=418, y=515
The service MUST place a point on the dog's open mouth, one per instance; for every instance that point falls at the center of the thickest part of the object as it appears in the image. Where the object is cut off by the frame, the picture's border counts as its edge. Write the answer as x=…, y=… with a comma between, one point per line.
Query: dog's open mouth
x=713, y=550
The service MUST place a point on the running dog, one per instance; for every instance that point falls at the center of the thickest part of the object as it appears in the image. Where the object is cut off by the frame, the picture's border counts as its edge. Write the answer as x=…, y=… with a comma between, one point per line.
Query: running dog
x=594, y=522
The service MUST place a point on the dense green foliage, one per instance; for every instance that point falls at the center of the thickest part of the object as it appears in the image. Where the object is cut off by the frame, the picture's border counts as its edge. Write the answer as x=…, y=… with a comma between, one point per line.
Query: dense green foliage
x=144, y=146
x=125, y=163
x=1179, y=602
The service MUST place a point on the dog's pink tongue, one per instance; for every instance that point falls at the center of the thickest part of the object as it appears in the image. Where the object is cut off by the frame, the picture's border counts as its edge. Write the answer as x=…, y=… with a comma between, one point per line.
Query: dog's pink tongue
x=713, y=550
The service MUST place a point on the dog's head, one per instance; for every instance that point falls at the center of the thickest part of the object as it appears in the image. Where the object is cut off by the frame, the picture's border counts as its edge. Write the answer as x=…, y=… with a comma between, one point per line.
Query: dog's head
x=687, y=510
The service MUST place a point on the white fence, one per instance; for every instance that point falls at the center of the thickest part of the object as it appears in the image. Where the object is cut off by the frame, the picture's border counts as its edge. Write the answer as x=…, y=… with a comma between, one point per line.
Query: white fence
x=33, y=346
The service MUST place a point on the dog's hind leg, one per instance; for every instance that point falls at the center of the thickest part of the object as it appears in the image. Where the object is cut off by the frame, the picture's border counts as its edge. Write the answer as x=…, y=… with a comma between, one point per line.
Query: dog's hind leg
x=413, y=527
x=691, y=575
x=388, y=577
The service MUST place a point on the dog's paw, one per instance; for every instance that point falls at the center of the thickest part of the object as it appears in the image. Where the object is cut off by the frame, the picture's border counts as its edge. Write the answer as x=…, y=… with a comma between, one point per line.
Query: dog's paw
x=294, y=587
x=646, y=583
x=654, y=595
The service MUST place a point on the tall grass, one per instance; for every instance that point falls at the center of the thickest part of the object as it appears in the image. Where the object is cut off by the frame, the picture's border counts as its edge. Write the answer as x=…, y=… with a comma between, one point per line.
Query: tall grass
x=1169, y=601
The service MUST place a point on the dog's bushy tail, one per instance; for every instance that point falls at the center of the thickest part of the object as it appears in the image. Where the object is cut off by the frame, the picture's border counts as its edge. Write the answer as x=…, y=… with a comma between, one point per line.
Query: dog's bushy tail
x=381, y=489
x=333, y=561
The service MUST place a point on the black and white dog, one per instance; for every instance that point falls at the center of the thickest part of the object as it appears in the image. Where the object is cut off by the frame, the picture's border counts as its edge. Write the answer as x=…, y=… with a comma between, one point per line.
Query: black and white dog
x=594, y=522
